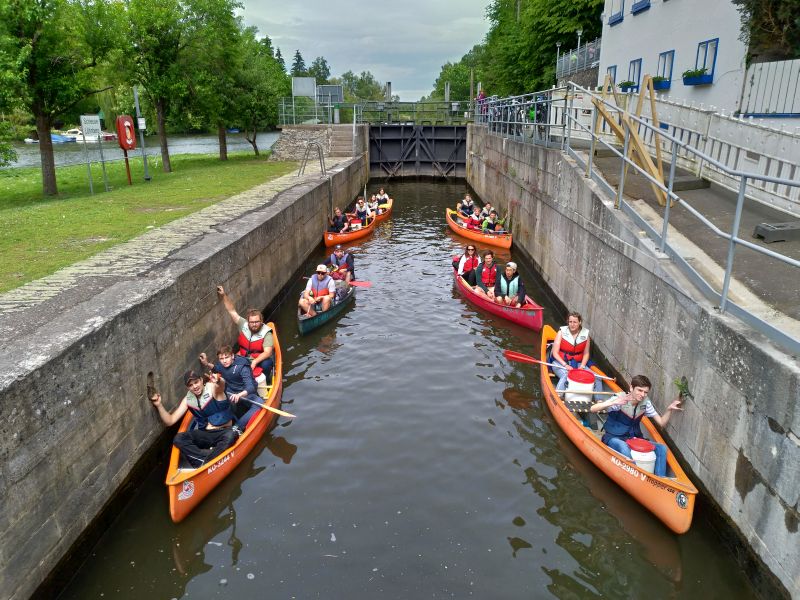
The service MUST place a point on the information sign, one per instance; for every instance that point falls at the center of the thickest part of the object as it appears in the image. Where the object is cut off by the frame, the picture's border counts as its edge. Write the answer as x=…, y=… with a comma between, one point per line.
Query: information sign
x=90, y=126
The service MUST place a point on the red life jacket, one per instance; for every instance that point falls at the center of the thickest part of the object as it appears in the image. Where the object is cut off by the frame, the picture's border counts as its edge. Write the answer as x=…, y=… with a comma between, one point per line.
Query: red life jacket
x=489, y=275
x=572, y=348
x=473, y=223
x=319, y=289
x=253, y=345
x=471, y=263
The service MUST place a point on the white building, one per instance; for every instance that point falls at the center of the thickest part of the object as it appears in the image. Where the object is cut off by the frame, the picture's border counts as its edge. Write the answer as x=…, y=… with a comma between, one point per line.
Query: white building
x=669, y=37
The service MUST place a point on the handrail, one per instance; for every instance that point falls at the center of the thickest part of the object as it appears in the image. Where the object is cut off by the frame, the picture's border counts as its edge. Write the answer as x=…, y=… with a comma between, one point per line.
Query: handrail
x=320, y=154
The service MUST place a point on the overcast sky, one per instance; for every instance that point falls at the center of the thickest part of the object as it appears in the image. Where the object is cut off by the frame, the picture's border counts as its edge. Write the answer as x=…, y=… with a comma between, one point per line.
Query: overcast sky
x=405, y=42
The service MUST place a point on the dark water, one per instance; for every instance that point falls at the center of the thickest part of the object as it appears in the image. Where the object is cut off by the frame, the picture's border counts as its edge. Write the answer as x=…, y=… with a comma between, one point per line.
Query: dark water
x=421, y=464
x=75, y=153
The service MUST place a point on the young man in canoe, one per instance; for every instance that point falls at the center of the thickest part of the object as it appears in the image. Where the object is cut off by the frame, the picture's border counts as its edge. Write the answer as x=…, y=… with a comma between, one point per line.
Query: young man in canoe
x=255, y=339
x=486, y=276
x=343, y=264
x=625, y=413
x=212, y=414
x=487, y=208
x=465, y=207
x=475, y=221
x=319, y=293
x=339, y=222
x=509, y=289
x=492, y=224
x=239, y=383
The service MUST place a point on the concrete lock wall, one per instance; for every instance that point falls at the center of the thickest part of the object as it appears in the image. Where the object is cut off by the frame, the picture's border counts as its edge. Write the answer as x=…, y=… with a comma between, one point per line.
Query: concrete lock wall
x=73, y=411
x=739, y=435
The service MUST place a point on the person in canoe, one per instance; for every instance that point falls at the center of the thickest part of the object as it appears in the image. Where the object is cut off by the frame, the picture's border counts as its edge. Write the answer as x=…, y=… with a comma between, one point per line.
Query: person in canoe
x=571, y=349
x=492, y=224
x=487, y=208
x=342, y=263
x=625, y=412
x=486, y=276
x=475, y=221
x=465, y=207
x=509, y=289
x=361, y=211
x=255, y=339
x=213, y=433
x=373, y=206
x=467, y=264
x=319, y=293
x=239, y=382
x=339, y=222
x=382, y=197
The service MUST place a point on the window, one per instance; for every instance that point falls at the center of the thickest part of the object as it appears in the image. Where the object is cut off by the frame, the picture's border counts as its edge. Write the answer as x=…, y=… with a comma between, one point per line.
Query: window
x=612, y=70
x=665, y=60
x=617, y=8
x=635, y=72
x=707, y=56
x=639, y=6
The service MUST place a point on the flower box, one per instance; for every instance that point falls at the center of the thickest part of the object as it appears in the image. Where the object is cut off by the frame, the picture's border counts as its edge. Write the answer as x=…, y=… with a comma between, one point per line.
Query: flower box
x=662, y=84
x=705, y=79
x=639, y=6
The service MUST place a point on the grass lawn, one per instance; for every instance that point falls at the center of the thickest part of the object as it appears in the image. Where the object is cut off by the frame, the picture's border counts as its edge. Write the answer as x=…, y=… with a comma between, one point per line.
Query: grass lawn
x=43, y=234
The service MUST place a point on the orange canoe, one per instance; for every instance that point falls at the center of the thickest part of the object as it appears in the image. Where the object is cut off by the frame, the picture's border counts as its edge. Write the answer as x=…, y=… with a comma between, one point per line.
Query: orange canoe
x=331, y=239
x=499, y=240
x=187, y=487
x=670, y=498
x=387, y=210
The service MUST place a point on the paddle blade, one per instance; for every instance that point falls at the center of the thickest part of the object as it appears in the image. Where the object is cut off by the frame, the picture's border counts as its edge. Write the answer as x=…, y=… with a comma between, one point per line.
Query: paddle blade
x=361, y=284
x=519, y=357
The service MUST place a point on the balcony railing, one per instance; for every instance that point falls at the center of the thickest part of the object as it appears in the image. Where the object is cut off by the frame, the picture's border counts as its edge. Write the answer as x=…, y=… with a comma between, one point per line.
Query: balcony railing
x=579, y=59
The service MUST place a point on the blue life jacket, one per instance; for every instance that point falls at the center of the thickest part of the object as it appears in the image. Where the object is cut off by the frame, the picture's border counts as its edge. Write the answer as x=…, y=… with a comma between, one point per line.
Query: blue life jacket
x=621, y=425
x=337, y=263
x=207, y=409
x=509, y=288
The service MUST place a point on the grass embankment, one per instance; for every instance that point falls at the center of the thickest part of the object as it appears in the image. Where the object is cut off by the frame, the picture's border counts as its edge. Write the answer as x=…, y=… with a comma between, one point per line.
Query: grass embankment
x=43, y=234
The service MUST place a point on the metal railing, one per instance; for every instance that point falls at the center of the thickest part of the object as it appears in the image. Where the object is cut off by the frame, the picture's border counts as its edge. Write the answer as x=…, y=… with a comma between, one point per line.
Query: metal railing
x=579, y=59
x=304, y=111
x=550, y=118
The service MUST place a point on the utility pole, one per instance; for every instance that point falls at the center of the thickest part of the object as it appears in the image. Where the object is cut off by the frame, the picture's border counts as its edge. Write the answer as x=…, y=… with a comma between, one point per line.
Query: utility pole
x=141, y=130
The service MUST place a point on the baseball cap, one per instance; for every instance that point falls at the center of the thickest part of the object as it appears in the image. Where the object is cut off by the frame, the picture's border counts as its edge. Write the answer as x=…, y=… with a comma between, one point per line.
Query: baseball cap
x=190, y=376
x=322, y=269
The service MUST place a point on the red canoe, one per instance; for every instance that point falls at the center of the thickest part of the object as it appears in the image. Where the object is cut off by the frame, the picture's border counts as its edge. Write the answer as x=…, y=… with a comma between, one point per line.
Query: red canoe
x=528, y=315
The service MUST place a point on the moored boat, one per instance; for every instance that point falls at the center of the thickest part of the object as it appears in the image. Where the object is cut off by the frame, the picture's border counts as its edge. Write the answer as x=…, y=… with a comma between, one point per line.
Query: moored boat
x=499, y=240
x=387, y=210
x=670, y=498
x=331, y=239
x=306, y=324
x=528, y=315
x=186, y=487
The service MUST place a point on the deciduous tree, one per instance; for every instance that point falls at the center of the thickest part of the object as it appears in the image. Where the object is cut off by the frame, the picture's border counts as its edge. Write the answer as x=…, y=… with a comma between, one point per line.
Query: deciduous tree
x=320, y=70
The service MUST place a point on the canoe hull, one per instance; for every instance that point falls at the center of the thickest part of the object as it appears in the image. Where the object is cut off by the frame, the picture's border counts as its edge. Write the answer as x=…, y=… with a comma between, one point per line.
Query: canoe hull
x=306, y=325
x=500, y=240
x=187, y=488
x=526, y=317
x=672, y=500
x=387, y=210
x=331, y=239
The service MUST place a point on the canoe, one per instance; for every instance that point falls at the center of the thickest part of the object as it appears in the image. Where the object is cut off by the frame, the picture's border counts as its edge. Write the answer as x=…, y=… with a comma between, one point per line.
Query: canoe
x=670, y=498
x=186, y=487
x=306, y=324
x=528, y=315
x=499, y=240
x=387, y=210
x=331, y=239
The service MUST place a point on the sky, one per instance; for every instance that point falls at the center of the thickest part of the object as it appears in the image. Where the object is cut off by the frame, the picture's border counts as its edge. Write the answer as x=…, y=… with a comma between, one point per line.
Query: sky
x=402, y=41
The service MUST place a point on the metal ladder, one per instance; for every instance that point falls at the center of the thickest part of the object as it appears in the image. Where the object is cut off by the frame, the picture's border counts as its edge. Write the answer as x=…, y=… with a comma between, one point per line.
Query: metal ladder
x=306, y=156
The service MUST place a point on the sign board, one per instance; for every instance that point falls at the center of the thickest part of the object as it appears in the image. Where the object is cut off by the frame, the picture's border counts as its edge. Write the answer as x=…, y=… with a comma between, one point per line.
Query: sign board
x=90, y=126
x=330, y=94
x=304, y=86
x=142, y=123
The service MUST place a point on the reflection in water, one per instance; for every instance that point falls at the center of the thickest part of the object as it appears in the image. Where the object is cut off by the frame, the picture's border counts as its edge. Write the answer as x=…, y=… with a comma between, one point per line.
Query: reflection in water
x=517, y=399
x=282, y=448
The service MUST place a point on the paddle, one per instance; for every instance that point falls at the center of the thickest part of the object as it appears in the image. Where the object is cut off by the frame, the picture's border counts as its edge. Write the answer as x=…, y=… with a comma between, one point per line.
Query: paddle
x=283, y=413
x=519, y=357
x=587, y=392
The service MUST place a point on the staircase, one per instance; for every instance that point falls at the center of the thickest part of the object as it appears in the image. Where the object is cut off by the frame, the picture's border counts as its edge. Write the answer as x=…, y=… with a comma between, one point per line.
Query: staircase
x=341, y=140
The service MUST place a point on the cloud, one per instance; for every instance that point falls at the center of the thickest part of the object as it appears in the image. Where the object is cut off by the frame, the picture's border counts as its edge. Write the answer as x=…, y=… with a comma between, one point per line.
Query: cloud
x=404, y=42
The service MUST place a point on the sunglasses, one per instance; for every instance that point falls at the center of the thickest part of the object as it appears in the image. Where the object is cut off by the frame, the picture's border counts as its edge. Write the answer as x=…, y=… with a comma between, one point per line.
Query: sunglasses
x=470, y=249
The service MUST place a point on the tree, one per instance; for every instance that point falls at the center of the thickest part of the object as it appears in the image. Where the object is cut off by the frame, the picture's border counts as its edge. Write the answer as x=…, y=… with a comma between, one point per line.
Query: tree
x=320, y=70
x=770, y=28
x=49, y=50
x=360, y=87
x=298, y=65
x=458, y=74
x=279, y=58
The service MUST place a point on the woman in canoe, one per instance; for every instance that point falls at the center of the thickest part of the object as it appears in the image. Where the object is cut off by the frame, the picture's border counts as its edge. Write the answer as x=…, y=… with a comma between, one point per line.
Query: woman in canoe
x=361, y=211
x=465, y=207
x=475, y=221
x=625, y=412
x=486, y=276
x=373, y=206
x=467, y=264
x=509, y=289
x=382, y=197
x=571, y=350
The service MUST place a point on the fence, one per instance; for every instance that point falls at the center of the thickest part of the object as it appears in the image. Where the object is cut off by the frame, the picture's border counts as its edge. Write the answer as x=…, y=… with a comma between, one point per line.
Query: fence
x=556, y=117
x=772, y=89
x=304, y=111
x=583, y=57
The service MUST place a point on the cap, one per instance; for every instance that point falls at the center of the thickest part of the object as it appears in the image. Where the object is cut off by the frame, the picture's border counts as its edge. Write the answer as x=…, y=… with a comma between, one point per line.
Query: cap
x=338, y=247
x=511, y=264
x=322, y=269
x=190, y=376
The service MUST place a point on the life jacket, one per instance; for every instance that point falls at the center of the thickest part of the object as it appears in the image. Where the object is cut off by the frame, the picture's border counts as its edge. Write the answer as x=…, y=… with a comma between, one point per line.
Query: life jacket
x=489, y=276
x=339, y=222
x=509, y=288
x=340, y=264
x=621, y=424
x=493, y=225
x=252, y=344
x=470, y=263
x=572, y=348
x=474, y=222
x=319, y=289
x=465, y=208
x=207, y=409
x=373, y=206
x=362, y=213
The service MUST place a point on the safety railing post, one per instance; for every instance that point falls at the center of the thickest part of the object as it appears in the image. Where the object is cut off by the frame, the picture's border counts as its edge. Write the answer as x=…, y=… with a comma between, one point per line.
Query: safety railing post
x=569, y=115
x=592, y=144
x=732, y=244
x=622, y=171
x=670, y=183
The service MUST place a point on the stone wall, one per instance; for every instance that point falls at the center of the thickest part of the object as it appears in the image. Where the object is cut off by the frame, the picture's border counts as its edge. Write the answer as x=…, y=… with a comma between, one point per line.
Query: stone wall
x=73, y=411
x=294, y=139
x=739, y=435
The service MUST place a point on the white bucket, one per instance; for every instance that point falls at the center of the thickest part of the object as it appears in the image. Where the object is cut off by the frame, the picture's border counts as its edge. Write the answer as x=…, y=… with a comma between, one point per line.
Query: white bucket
x=579, y=380
x=646, y=461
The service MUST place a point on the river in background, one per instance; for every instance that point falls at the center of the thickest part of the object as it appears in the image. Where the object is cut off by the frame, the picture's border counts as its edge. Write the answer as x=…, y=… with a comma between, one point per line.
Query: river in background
x=421, y=464
x=74, y=153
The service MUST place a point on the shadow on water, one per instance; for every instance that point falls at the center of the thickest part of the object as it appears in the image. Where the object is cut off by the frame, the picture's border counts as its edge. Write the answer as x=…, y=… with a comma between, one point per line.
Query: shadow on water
x=421, y=463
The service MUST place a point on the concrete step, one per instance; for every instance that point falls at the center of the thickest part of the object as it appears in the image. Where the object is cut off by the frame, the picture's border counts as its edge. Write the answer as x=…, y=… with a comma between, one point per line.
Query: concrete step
x=682, y=183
